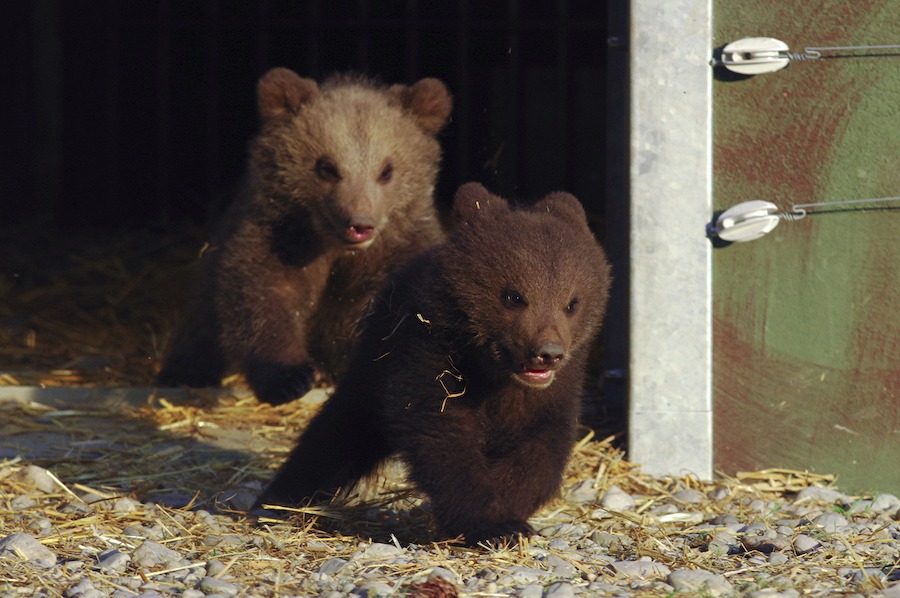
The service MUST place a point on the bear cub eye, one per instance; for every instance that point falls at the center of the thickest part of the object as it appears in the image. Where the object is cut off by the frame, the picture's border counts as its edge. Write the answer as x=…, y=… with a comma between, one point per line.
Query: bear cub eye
x=327, y=170
x=513, y=299
x=573, y=304
x=386, y=173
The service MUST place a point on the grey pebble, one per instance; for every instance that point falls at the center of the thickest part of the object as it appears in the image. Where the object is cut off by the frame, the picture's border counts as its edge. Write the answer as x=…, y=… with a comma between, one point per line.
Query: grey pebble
x=527, y=574
x=689, y=496
x=826, y=495
x=83, y=589
x=224, y=541
x=721, y=548
x=582, y=492
x=192, y=594
x=240, y=499
x=73, y=566
x=487, y=574
x=561, y=567
x=774, y=593
x=563, y=529
x=152, y=554
x=23, y=546
x=379, y=552
x=38, y=477
x=765, y=544
x=854, y=574
x=697, y=580
x=612, y=542
x=213, y=585
x=778, y=558
x=90, y=498
x=113, y=560
x=22, y=503
x=757, y=528
x=531, y=591
x=724, y=519
x=804, y=544
x=332, y=566
x=885, y=503
x=558, y=544
x=126, y=505
x=641, y=569
x=830, y=522
x=214, y=567
x=560, y=589
x=446, y=574
x=719, y=493
x=616, y=499
x=41, y=526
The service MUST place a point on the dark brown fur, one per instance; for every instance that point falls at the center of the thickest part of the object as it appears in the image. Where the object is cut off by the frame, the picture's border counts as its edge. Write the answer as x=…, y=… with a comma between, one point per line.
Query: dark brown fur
x=339, y=192
x=441, y=376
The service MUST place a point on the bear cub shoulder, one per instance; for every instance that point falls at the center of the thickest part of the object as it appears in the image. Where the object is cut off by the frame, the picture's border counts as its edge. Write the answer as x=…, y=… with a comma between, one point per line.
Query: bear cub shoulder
x=470, y=368
x=338, y=193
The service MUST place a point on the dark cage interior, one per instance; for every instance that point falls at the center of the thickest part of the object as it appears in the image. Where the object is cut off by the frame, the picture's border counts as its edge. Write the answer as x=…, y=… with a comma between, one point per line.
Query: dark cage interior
x=126, y=127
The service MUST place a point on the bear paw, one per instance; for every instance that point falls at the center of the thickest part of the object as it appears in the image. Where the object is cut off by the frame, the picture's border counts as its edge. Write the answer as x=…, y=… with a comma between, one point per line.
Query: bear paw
x=275, y=383
x=500, y=534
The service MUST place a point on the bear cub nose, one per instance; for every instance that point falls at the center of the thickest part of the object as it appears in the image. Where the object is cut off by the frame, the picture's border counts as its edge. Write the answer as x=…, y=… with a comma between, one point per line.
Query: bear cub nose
x=547, y=355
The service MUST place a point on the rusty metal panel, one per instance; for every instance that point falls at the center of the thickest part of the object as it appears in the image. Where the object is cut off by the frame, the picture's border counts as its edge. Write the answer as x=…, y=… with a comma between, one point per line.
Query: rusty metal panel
x=806, y=342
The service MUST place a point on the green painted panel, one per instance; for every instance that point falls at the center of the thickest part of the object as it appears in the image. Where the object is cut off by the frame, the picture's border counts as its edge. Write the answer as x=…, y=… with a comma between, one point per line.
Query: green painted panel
x=807, y=319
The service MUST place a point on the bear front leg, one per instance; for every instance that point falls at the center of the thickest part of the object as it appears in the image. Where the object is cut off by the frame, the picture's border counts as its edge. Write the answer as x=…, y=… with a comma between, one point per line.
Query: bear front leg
x=271, y=339
x=343, y=443
x=489, y=497
x=464, y=494
x=530, y=475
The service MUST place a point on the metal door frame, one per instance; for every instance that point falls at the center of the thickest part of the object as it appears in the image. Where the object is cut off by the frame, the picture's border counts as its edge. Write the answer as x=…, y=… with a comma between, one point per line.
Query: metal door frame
x=670, y=175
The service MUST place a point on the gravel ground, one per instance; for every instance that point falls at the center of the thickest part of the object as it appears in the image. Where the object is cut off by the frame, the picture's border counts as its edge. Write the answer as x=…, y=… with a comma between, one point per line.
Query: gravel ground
x=146, y=500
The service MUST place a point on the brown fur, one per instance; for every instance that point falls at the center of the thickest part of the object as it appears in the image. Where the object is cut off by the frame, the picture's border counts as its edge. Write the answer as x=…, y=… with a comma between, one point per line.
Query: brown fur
x=470, y=368
x=339, y=192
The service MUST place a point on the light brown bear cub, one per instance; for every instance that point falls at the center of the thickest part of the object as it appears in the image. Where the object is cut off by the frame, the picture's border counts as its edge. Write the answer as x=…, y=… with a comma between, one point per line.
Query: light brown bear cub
x=339, y=193
x=470, y=368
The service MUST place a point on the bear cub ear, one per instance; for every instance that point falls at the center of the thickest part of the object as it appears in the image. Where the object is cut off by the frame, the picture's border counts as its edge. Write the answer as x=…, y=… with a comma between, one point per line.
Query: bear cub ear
x=562, y=205
x=281, y=92
x=429, y=102
x=472, y=201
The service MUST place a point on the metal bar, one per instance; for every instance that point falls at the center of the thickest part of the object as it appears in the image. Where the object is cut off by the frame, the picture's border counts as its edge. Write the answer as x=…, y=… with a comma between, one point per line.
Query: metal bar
x=670, y=414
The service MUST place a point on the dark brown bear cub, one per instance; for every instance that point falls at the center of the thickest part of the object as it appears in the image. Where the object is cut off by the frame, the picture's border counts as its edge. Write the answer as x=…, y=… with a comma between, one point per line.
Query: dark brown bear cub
x=470, y=368
x=338, y=193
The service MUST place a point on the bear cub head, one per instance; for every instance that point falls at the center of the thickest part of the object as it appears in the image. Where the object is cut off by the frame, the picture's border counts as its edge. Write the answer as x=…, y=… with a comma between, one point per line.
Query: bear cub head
x=348, y=154
x=532, y=282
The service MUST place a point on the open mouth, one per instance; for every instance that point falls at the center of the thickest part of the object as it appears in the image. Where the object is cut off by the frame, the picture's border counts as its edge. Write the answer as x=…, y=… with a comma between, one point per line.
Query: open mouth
x=535, y=378
x=359, y=236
